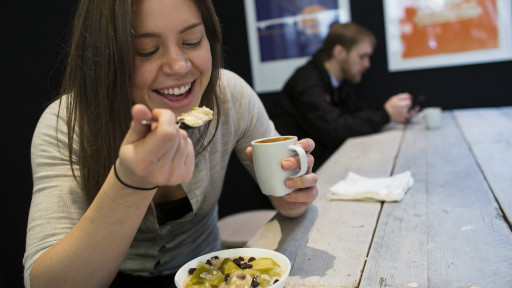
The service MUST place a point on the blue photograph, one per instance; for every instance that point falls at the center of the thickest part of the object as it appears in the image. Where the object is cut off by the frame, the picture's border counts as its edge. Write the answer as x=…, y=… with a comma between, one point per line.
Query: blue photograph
x=291, y=28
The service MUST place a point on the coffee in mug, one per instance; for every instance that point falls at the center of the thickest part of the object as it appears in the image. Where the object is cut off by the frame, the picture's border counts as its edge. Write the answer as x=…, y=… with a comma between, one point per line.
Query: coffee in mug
x=275, y=139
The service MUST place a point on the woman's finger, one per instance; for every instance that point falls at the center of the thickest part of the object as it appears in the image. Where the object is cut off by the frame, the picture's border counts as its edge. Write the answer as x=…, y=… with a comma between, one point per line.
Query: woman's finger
x=248, y=153
x=188, y=167
x=163, y=141
x=291, y=163
x=137, y=131
x=178, y=171
x=307, y=144
x=304, y=181
x=303, y=196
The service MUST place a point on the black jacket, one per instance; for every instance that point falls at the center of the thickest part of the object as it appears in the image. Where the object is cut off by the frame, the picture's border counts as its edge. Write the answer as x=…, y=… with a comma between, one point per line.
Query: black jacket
x=310, y=107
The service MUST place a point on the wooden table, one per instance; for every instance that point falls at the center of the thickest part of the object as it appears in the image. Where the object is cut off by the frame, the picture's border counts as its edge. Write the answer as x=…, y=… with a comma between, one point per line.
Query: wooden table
x=452, y=229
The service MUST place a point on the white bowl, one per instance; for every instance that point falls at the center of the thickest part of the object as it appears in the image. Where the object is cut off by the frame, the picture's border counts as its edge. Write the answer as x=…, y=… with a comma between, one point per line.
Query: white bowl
x=181, y=275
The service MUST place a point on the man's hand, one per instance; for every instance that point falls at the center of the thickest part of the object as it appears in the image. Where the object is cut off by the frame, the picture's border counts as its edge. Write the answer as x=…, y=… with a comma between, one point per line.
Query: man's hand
x=399, y=108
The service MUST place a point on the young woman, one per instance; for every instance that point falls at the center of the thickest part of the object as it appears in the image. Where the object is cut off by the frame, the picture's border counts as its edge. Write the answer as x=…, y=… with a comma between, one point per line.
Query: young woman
x=117, y=203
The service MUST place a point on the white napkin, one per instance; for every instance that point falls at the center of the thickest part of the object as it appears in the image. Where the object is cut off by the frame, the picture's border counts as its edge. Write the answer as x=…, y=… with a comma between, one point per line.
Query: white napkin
x=356, y=187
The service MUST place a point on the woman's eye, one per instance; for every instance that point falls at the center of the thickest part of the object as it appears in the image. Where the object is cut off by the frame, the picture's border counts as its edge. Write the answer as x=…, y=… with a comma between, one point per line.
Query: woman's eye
x=192, y=44
x=146, y=54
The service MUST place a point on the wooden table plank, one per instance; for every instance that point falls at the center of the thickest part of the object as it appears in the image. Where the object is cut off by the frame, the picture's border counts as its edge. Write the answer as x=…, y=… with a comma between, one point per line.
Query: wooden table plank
x=328, y=245
x=447, y=231
x=483, y=125
x=398, y=255
x=489, y=134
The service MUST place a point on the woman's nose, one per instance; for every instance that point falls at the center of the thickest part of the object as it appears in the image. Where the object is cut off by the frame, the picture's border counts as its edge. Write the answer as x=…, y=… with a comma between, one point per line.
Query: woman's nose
x=176, y=62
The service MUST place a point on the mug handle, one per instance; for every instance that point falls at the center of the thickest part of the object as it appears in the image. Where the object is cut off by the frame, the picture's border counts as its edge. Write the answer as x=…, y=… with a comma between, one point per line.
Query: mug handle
x=303, y=160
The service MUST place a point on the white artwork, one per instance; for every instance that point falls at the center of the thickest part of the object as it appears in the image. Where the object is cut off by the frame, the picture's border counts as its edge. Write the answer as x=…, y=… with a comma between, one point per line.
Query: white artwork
x=284, y=34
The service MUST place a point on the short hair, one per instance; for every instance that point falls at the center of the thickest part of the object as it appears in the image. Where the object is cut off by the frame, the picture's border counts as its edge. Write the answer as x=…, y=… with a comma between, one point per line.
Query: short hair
x=347, y=35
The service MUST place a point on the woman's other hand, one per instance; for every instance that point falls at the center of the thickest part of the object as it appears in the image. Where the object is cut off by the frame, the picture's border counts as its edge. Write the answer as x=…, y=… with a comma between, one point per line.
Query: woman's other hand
x=295, y=203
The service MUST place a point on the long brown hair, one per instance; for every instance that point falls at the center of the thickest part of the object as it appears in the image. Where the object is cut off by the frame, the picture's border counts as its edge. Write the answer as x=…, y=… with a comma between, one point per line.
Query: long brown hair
x=98, y=81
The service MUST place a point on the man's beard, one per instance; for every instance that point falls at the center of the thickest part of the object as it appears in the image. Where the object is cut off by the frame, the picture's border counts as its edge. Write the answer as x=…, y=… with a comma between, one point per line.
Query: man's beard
x=349, y=75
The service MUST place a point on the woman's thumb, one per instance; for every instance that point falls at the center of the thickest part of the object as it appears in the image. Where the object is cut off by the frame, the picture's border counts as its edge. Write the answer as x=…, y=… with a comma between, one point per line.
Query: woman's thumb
x=137, y=130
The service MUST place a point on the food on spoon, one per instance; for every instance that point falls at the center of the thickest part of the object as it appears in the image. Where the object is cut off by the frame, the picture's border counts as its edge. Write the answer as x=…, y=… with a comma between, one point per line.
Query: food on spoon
x=197, y=116
x=234, y=273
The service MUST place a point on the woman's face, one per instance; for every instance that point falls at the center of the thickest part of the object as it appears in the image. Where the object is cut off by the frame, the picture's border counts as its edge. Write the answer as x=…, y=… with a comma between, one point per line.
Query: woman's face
x=173, y=62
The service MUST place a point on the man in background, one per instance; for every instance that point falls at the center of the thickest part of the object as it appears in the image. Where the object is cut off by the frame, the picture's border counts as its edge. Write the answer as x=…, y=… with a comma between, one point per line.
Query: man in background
x=318, y=101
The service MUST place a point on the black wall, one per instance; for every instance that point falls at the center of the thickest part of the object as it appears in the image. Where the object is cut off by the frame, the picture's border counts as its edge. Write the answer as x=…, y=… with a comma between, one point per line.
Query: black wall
x=31, y=43
x=32, y=36
x=453, y=87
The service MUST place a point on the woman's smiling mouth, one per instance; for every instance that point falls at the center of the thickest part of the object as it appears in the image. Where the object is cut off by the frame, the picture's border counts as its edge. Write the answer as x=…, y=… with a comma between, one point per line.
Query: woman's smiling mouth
x=175, y=93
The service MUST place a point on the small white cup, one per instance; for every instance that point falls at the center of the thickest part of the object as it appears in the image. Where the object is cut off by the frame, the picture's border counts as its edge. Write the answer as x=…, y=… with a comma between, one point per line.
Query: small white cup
x=267, y=154
x=432, y=117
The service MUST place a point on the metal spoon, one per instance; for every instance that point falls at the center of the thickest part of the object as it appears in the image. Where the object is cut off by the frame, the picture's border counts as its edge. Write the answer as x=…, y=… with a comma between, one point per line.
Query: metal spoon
x=180, y=123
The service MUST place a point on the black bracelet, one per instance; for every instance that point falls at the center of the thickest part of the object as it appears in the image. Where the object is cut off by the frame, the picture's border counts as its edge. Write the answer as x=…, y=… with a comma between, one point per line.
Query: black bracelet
x=130, y=186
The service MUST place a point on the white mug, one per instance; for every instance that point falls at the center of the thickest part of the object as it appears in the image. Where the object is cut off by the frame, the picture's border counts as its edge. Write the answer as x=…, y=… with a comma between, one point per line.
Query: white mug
x=432, y=117
x=267, y=154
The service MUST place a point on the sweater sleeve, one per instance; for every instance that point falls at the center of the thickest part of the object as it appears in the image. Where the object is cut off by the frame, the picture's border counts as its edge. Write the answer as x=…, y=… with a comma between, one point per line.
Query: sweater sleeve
x=252, y=121
x=57, y=201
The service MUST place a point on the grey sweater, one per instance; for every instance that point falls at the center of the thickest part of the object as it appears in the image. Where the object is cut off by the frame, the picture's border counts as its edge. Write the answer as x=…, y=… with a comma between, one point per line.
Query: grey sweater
x=58, y=203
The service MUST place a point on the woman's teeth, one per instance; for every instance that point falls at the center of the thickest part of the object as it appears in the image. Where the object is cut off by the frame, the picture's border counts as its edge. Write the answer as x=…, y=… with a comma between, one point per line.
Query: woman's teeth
x=175, y=91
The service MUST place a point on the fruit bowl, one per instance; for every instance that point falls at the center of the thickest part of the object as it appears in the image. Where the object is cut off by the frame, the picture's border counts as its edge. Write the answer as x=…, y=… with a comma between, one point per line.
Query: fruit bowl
x=279, y=258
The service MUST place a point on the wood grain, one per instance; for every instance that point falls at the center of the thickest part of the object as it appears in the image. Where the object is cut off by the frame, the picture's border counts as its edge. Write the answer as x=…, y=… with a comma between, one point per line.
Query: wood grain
x=452, y=229
x=329, y=244
x=489, y=135
x=447, y=231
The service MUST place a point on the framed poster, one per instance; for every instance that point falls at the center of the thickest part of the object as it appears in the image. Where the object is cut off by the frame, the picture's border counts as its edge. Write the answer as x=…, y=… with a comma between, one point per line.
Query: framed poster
x=424, y=34
x=284, y=34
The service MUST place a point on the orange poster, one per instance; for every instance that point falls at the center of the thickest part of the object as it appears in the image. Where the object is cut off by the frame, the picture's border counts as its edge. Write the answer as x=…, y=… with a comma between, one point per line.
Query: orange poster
x=430, y=28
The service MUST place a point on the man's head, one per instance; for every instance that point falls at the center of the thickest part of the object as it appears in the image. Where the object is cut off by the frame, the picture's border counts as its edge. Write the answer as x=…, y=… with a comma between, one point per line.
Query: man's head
x=347, y=50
